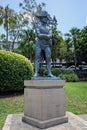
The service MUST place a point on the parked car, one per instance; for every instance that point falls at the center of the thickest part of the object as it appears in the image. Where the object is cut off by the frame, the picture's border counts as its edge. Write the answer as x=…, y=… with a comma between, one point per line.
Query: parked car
x=73, y=67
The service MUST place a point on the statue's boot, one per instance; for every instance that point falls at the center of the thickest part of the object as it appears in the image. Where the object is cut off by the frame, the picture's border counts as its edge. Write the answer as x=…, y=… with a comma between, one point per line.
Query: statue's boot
x=35, y=75
x=50, y=75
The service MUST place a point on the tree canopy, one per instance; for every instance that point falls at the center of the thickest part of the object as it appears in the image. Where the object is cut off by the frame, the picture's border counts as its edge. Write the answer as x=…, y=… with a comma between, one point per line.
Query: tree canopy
x=19, y=29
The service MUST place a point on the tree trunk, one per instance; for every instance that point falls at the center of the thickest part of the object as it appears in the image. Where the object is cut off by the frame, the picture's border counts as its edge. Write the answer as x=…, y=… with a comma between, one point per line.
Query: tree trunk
x=7, y=45
x=75, y=57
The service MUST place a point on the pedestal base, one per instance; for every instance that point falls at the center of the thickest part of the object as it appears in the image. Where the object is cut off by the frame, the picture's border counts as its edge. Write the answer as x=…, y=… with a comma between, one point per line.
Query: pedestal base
x=44, y=103
x=46, y=123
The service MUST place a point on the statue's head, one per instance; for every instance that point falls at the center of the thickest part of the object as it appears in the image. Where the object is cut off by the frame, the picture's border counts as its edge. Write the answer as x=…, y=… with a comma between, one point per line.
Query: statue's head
x=43, y=16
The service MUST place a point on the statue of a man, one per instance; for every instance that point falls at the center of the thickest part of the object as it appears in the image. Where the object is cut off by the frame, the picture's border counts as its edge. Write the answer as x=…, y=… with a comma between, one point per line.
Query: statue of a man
x=43, y=43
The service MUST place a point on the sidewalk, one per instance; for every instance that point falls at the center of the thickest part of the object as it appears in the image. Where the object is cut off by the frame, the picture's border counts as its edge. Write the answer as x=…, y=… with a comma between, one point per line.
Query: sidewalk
x=83, y=116
x=14, y=122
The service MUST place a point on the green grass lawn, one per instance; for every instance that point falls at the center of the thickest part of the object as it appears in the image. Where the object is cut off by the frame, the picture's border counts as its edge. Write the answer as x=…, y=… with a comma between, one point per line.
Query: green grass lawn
x=9, y=106
x=76, y=97
x=76, y=101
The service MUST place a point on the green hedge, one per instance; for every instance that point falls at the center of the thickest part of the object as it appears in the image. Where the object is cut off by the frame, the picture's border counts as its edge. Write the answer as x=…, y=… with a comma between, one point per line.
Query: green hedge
x=14, y=69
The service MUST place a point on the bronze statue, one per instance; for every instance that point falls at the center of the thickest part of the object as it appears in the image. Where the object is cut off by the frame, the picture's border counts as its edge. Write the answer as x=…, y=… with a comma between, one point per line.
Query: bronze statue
x=43, y=43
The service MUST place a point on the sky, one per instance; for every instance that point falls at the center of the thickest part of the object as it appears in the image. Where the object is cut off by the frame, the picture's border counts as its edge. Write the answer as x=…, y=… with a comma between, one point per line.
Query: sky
x=69, y=13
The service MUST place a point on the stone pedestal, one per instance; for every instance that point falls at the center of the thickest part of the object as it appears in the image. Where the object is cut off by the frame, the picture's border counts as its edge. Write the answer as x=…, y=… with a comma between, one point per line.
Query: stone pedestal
x=44, y=103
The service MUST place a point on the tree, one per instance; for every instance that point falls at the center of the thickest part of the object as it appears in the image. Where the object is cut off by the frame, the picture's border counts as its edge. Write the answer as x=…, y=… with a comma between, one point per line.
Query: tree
x=29, y=9
x=56, y=41
x=73, y=39
x=69, y=48
x=24, y=20
x=2, y=41
x=14, y=31
x=27, y=43
x=7, y=18
x=82, y=52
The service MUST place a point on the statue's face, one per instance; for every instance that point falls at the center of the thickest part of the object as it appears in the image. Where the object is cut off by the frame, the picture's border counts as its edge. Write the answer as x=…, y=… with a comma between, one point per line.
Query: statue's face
x=44, y=19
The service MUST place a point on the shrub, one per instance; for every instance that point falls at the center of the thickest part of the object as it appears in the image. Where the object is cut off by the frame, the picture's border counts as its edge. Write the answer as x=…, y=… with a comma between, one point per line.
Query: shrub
x=68, y=75
x=14, y=69
x=55, y=71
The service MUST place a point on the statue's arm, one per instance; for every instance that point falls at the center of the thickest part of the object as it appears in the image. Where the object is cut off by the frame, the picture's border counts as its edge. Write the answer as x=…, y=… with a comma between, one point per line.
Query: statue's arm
x=49, y=35
x=44, y=36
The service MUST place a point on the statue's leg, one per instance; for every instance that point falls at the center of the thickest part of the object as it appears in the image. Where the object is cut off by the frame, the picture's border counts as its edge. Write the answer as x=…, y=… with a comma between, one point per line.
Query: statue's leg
x=37, y=60
x=48, y=60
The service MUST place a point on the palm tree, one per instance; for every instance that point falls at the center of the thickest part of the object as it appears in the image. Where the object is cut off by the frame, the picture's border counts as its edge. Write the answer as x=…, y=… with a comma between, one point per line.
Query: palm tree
x=73, y=38
x=7, y=18
x=27, y=43
x=56, y=41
